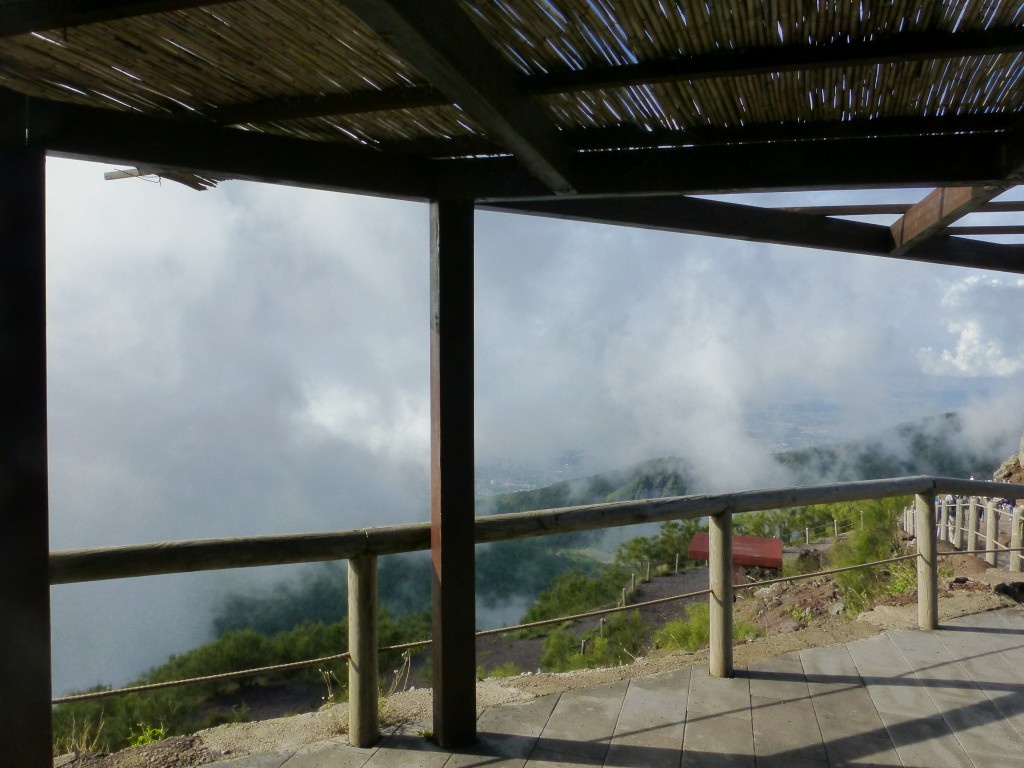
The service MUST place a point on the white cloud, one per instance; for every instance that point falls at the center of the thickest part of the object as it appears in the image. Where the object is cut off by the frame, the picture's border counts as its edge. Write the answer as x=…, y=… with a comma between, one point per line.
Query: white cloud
x=985, y=318
x=254, y=359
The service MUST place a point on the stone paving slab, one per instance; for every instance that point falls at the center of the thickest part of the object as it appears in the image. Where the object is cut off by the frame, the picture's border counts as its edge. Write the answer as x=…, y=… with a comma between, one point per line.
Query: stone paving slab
x=943, y=699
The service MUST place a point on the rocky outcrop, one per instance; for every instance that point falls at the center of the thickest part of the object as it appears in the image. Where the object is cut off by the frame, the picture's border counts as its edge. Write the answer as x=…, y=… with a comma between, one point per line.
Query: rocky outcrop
x=1012, y=470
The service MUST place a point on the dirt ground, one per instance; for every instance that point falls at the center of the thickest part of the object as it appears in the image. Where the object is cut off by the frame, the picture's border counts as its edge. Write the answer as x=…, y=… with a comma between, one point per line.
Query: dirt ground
x=789, y=617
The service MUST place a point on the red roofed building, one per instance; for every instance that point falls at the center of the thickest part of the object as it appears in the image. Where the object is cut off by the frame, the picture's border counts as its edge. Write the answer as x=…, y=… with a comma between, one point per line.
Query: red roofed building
x=747, y=552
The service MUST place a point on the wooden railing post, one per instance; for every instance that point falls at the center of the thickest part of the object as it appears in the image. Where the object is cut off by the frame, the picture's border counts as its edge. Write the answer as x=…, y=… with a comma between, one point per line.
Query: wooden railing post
x=943, y=511
x=972, y=526
x=958, y=524
x=927, y=566
x=991, y=533
x=1015, y=538
x=720, y=572
x=363, y=692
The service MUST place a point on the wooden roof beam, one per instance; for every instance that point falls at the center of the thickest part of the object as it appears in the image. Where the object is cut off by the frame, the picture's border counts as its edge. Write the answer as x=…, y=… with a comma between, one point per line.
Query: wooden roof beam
x=23, y=16
x=743, y=222
x=874, y=209
x=940, y=208
x=123, y=137
x=329, y=105
x=440, y=41
x=921, y=161
x=906, y=46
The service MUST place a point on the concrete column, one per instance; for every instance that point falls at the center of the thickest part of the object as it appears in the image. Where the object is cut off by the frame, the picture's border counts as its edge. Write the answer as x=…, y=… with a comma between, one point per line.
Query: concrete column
x=452, y=496
x=992, y=532
x=363, y=690
x=720, y=569
x=972, y=525
x=25, y=717
x=927, y=564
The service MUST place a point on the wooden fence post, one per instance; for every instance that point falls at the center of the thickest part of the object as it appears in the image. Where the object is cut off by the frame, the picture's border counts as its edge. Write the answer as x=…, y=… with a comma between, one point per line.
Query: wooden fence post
x=958, y=524
x=1015, y=538
x=720, y=599
x=972, y=526
x=943, y=511
x=992, y=532
x=363, y=724
x=927, y=566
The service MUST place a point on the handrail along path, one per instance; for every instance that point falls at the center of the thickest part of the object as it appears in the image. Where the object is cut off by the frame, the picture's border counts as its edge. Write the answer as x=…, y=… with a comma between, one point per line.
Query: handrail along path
x=361, y=547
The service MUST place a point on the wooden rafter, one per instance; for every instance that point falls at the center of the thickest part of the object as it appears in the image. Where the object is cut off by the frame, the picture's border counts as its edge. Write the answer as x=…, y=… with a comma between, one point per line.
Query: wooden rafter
x=735, y=63
x=24, y=16
x=334, y=105
x=703, y=67
x=632, y=138
x=999, y=206
x=440, y=41
x=994, y=229
x=940, y=208
x=132, y=139
x=743, y=222
x=882, y=162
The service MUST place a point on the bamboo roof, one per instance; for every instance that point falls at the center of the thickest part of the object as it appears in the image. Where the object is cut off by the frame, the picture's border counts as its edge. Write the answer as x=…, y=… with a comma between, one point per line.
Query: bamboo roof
x=609, y=110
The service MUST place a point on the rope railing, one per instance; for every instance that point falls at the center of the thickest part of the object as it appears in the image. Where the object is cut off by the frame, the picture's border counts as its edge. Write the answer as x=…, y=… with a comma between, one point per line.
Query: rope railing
x=255, y=671
x=958, y=521
x=204, y=679
x=362, y=547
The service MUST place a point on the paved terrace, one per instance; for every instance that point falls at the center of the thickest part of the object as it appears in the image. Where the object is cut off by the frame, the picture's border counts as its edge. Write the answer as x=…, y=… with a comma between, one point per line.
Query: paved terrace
x=953, y=697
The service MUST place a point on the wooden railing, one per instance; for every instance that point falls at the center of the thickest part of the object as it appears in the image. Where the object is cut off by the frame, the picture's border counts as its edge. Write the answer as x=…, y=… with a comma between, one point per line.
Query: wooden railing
x=959, y=522
x=362, y=547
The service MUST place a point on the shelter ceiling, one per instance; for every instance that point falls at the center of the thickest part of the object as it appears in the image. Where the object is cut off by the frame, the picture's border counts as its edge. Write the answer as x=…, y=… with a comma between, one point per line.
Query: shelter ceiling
x=515, y=102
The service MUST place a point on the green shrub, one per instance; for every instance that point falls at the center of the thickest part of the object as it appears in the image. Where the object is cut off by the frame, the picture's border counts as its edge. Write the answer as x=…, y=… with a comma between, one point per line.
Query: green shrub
x=873, y=538
x=693, y=631
x=621, y=642
x=576, y=592
x=147, y=734
x=508, y=669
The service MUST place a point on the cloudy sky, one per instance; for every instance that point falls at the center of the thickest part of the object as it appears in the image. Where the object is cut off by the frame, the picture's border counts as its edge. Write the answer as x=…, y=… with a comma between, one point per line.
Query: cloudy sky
x=253, y=360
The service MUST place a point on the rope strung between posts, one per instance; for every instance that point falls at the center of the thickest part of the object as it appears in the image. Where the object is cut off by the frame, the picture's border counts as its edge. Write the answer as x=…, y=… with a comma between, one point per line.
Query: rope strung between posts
x=824, y=573
x=560, y=620
x=481, y=633
x=1001, y=549
x=206, y=679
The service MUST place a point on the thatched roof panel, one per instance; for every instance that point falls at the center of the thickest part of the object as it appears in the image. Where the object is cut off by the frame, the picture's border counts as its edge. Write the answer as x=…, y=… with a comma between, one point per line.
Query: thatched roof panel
x=194, y=60
x=904, y=89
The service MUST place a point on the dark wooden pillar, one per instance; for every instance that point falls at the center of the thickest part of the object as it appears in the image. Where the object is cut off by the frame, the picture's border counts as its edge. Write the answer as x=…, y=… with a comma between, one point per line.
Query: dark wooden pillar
x=24, y=543
x=452, y=490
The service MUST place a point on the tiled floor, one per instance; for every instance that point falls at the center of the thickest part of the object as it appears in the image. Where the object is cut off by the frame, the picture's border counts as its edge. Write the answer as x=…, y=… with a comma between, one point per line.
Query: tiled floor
x=954, y=697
